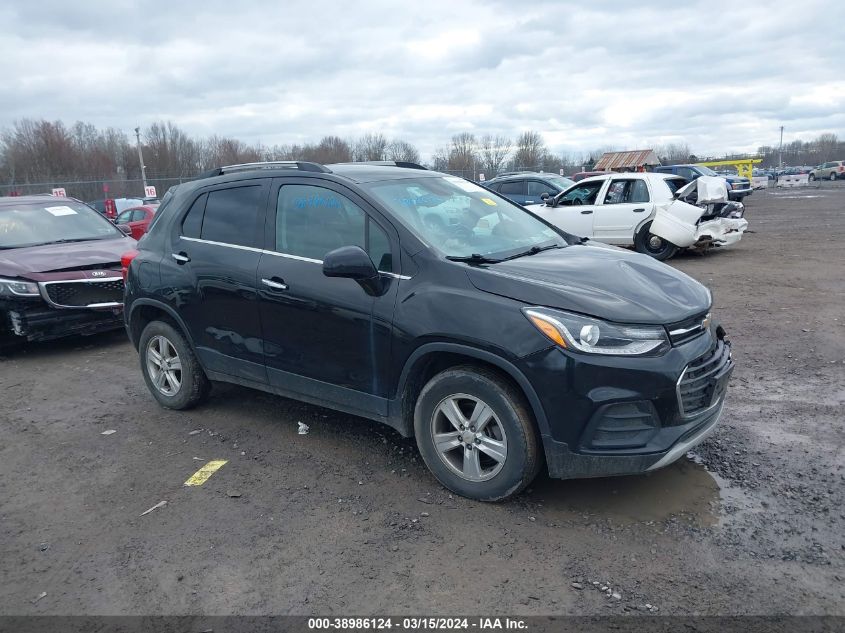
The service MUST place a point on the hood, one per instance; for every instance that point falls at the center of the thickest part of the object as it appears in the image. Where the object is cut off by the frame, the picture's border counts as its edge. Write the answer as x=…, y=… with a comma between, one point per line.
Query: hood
x=597, y=280
x=34, y=261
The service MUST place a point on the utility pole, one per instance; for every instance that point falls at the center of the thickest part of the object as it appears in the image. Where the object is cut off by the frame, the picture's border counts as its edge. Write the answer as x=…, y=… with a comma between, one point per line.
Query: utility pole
x=141, y=158
x=780, y=149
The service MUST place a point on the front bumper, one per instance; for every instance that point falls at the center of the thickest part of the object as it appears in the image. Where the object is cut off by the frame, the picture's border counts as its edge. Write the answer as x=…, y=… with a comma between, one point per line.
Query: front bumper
x=35, y=321
x=617, y=416
x=739, y=194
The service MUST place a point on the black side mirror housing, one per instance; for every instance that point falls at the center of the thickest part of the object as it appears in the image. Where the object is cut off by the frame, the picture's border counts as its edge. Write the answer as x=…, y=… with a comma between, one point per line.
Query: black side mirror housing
x=544, y=195
x=352, y=262
x=125, y=229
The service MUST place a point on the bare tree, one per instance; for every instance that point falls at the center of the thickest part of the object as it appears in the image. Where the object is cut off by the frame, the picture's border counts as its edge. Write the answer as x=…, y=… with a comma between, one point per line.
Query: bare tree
x=400, y=150
x=493, y=152
x=440, y=159
x=530, y=151
x=463, y=154
x=370, y=147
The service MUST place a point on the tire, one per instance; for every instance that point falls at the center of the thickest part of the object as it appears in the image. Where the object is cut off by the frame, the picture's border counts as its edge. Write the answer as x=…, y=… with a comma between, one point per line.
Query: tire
x=184, y=384
x=812, y=177
x=832, y=176
x=653, y=246
x=508, y=432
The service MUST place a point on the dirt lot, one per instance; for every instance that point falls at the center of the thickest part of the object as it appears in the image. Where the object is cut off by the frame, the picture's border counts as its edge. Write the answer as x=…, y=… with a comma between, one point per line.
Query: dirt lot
x=347, y=520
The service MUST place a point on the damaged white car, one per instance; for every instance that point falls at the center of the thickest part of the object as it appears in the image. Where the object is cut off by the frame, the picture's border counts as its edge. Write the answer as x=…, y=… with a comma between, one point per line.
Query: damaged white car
x=640, y=210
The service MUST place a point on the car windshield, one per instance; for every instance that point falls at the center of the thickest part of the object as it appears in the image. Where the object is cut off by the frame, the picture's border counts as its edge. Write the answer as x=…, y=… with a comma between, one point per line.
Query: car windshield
x=52, y=222
x=706, y=171
x=460, y=219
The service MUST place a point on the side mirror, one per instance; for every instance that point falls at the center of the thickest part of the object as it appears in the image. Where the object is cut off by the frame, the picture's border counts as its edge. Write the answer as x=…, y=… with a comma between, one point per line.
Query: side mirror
x=125, y=229
x=352, y=262
x=544, y=195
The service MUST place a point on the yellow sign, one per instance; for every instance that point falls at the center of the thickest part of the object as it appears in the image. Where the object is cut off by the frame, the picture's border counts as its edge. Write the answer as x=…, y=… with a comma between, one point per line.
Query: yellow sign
x=489, y=201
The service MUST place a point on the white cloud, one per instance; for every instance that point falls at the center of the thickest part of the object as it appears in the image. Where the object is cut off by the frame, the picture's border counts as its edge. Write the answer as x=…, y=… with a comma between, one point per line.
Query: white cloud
x=718, y=75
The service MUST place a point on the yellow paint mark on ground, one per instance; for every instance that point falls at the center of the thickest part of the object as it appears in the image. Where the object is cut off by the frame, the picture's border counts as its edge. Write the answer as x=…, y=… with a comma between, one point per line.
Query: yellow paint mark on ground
x=489, y=201
x=202, y=475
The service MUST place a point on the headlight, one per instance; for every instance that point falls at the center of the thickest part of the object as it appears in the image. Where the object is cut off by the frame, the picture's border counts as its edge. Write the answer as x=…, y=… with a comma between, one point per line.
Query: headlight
x=15, y=288
x=594, y=336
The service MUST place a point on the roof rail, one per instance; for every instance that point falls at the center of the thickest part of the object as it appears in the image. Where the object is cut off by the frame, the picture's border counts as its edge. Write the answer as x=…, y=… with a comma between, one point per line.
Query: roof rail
x=276, y=164
x=388, y=163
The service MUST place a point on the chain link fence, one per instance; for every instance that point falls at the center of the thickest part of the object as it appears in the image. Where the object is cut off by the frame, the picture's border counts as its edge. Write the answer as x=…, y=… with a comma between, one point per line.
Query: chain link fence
x=91, y=190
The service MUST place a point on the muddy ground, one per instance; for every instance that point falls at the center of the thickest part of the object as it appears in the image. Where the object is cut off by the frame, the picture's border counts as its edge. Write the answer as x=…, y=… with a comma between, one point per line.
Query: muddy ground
x=346, y=519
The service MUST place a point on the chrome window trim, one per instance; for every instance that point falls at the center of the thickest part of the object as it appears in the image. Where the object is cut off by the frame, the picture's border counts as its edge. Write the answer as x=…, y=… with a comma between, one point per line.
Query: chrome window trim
x=276, y=254
x=700, y=326
x=42, y=286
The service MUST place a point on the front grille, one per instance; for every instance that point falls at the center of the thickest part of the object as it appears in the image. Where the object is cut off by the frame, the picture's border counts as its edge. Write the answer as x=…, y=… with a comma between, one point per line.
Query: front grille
x=80, y=294
x=686, y=330
x=697, y=388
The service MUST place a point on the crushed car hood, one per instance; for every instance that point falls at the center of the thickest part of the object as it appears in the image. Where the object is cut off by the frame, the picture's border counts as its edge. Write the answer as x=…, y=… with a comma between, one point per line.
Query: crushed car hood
x=597, y=280
x=34, y=260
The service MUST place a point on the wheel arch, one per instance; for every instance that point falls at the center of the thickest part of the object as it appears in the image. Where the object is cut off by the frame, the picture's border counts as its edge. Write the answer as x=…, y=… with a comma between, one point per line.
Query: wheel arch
x=144, y=311
x=432, y=358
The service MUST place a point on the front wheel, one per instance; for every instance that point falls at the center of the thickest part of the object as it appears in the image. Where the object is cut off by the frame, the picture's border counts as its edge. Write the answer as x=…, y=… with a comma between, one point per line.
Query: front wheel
x=652, y=245
x=476, y=434
x=812, y=177
x=171, y=370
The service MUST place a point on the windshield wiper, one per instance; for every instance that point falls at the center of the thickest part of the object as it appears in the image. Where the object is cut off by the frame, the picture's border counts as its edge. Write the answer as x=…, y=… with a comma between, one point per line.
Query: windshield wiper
x=475, y=258
x=533, y=251
x=68, y=241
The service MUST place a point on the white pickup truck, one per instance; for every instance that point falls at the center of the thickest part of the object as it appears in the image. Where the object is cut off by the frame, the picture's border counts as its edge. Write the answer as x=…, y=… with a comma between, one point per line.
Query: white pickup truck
x=641, y=210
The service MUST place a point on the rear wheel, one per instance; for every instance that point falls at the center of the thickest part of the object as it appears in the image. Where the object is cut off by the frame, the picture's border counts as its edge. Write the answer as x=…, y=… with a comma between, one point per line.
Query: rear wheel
x=476, y=434
x=832, y=176
x=812, y=177
x=171, y=370
x=652, y=245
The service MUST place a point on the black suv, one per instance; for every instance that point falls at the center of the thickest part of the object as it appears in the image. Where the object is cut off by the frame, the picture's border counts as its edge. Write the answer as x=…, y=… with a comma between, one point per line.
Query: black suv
x=498, y=341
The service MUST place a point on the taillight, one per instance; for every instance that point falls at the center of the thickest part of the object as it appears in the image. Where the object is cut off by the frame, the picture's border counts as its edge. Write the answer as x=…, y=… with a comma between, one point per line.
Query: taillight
x=125, y=260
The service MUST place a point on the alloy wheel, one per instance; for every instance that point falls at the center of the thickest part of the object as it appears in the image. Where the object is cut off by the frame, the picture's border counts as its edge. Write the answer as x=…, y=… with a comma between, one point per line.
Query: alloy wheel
x=164, y=366
x=468, y=437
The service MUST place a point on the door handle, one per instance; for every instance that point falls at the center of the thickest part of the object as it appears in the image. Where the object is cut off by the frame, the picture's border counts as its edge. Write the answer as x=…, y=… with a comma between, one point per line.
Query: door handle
x=528, y=202
x=275, y=283
x=181, y=258
x=587, y=212
x=638, y=210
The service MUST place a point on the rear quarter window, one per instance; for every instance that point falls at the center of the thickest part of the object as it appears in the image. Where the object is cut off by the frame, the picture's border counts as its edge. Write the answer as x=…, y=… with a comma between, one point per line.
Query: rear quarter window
x=231, y=215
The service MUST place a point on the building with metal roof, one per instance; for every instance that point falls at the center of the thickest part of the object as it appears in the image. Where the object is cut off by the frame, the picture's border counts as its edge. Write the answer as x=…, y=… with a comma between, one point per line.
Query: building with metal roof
x=634, y=160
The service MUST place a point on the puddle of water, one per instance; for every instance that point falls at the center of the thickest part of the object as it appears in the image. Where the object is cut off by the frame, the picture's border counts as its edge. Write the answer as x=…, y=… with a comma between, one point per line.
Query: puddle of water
x=683, y=489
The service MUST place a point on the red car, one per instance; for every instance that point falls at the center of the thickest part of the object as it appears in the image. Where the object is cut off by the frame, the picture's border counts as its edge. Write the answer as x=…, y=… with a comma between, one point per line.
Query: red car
x=586, y=174
x=137, y=219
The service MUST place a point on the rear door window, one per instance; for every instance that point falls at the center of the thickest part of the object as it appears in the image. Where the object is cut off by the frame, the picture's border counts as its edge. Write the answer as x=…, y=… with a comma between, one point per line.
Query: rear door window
x=638, y=191
x=513, y=188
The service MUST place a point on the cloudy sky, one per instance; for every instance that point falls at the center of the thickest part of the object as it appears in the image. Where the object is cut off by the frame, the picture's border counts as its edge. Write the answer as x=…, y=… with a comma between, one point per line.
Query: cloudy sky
x=721, y=76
